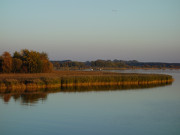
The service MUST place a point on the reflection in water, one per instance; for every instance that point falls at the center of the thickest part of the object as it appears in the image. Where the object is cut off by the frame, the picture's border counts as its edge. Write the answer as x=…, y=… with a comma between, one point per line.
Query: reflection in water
x=25, y=98
x=33, y=97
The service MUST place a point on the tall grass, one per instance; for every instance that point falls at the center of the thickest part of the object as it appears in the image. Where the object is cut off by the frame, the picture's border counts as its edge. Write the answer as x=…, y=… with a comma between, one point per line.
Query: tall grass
x=37, y=81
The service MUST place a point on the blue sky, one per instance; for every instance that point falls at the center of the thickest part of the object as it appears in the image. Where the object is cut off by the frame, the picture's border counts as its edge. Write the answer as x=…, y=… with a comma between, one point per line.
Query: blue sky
x=145, y=30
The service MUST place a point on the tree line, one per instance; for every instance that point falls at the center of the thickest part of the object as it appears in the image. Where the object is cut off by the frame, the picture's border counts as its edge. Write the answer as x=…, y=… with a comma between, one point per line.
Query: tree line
x=88, y=64
x=112, y=64
x=25, y=61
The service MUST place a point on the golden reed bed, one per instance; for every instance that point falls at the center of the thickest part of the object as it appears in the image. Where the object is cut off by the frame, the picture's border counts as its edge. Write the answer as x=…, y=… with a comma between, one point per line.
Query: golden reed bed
x=58, y=79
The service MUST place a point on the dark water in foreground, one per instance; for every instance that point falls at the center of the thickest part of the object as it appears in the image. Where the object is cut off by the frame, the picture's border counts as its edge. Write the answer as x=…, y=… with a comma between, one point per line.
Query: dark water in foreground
x=152, y=111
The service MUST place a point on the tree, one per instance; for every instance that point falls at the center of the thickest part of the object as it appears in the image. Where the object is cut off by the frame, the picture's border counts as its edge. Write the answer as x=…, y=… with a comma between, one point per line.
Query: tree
x=16, y=66
x=7, y=62
x=25, y=61
x=46, y=65
x=31, y=61
x=17, y=55
x=1, y=62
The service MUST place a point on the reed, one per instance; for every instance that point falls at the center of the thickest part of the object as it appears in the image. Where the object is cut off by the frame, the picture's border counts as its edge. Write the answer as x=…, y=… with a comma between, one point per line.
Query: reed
x=33, y=82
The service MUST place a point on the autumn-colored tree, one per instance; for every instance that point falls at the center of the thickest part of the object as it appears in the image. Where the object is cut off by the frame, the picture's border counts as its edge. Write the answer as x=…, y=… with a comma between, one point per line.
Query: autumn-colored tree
x=36, y=62
x=31, y=60
x=46, y=65
x=16, y=66
x=25, y=61
x=7, y=62
x=1, y=62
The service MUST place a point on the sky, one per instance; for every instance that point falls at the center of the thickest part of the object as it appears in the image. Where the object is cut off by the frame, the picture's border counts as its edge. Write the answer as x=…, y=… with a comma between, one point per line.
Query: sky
x=85, y=30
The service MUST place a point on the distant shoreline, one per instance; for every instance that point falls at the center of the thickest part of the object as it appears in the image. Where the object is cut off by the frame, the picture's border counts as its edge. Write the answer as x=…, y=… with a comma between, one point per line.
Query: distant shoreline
x=113, y=64
x=58, y=79
x=112, y=68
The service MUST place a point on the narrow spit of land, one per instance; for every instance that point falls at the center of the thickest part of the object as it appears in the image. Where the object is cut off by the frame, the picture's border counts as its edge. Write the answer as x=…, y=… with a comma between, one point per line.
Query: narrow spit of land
x=58, y=79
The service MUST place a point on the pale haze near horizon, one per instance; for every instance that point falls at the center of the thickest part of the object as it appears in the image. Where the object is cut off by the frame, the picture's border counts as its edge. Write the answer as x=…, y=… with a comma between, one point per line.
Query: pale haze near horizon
x=85, y=30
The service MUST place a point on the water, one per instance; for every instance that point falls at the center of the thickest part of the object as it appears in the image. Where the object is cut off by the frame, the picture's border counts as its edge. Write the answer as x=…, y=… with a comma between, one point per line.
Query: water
x=152, y=111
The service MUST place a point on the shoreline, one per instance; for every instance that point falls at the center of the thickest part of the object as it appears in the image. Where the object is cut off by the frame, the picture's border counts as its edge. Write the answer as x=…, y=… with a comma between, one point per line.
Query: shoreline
x=64, y=79
x=113, y=68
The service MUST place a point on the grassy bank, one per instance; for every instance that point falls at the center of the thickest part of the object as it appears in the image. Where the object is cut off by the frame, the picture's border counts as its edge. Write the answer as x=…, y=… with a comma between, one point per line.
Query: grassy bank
x=63, y=79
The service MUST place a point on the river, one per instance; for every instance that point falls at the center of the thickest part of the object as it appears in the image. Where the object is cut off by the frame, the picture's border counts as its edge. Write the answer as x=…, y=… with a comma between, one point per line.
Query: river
x=151, y=111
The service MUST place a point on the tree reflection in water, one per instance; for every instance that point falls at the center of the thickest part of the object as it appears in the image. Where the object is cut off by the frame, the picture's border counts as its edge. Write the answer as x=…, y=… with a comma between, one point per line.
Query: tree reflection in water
x=29, y=98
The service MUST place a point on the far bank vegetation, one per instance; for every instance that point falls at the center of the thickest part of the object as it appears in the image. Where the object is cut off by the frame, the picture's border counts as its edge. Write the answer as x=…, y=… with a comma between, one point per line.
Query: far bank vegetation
x=112, y=64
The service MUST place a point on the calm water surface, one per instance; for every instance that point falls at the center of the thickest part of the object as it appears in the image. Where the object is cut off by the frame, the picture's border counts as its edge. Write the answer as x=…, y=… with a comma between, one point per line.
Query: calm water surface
x=152, y=111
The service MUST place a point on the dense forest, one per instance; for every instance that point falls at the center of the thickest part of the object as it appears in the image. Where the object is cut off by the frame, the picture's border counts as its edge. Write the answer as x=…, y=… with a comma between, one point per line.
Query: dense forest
x=25, y=62
x=105, y=64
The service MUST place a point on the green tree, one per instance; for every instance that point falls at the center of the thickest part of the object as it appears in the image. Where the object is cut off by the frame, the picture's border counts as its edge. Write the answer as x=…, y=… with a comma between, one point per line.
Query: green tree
x=17, y=55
